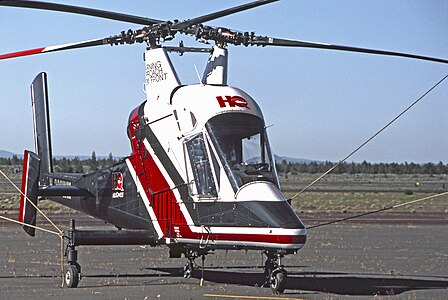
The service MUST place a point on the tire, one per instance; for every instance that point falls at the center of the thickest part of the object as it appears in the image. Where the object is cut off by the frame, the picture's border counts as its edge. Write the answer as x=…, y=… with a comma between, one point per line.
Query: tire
x=72, y=276
x=188, y=269
x=278, y=282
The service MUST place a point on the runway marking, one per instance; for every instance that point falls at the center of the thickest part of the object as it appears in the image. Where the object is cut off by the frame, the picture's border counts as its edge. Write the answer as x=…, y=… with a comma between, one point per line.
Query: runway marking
x=248, y=297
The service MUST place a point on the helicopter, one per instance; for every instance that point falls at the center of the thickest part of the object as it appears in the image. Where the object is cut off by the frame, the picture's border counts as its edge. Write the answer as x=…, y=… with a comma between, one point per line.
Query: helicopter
x=201, y=176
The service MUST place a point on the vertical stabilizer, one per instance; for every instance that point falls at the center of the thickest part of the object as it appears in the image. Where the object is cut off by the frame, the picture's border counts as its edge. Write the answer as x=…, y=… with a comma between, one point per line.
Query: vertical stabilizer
x=216, y=69
x=42, y=137
x=161, y=78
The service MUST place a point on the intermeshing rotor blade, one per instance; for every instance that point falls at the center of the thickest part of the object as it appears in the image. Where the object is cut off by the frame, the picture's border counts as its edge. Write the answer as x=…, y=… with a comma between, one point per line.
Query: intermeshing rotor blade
x=270, y=41
x=80, y=10
x=219, y=14
x=83, y=44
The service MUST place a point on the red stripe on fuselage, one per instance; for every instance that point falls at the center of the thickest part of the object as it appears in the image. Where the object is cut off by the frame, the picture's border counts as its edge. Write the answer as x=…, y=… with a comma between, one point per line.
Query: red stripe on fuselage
x=167, y=208
x=169, y=215
x=243, y=237
x=162, y=199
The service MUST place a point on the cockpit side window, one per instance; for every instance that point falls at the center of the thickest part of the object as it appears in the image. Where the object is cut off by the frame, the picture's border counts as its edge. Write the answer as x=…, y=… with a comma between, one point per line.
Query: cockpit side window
x=200, y=165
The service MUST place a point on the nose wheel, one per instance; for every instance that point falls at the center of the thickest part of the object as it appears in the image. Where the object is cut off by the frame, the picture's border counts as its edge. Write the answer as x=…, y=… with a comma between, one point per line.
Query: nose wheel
x=275, y=272
x=278, y=281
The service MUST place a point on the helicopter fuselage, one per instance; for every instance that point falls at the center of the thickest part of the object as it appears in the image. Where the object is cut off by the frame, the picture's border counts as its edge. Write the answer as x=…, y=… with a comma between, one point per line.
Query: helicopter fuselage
x=202, y=163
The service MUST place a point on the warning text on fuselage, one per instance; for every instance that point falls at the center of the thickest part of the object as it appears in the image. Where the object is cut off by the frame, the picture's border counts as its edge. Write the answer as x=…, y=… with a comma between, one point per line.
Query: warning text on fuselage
x=154, y=72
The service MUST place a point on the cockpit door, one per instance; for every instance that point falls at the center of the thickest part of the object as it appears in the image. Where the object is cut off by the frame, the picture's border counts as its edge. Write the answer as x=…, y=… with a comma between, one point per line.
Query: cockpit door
x=199, y=168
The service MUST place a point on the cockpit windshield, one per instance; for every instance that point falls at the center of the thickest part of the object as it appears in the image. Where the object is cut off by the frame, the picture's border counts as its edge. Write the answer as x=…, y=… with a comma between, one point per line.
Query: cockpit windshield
x=241, y=143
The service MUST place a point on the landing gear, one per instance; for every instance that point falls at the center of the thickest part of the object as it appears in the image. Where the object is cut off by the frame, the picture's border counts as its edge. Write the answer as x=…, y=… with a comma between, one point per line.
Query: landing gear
x=275, y=272
x=73, y=273
x=190, y=264
x=72, y=276
x=278, y=281
x=188, y=268
x=99, y=237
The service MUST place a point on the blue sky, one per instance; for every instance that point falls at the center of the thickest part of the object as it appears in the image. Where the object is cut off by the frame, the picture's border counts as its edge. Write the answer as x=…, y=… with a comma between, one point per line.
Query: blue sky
x=322, y=104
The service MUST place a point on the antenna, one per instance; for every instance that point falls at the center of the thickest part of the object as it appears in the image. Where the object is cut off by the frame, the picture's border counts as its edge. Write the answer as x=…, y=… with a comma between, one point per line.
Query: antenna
x=197, y=73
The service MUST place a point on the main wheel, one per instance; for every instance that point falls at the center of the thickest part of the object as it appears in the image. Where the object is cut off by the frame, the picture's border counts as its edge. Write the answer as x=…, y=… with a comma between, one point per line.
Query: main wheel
x=278, y=282
x=72, y=276
x=188, y=269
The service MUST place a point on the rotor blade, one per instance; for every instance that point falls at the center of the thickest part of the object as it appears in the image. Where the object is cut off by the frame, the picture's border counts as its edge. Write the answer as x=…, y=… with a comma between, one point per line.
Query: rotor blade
x=270, y=41
x=83, y=44
x=80, y=10
x=219, y=14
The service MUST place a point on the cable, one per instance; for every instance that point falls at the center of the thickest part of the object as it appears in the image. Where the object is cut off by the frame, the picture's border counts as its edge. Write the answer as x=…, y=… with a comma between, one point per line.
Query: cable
x=60, y=232
x=30, y=225
x=371, y=138
x=378, y=210
x=29, y=201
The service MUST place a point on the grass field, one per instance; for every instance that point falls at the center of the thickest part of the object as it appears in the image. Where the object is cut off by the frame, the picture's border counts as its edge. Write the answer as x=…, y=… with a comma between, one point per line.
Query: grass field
x=365, y=192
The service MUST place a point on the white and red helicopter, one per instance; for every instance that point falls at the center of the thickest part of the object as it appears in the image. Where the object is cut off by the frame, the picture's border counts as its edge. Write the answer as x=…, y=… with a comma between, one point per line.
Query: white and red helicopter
x=201, y=176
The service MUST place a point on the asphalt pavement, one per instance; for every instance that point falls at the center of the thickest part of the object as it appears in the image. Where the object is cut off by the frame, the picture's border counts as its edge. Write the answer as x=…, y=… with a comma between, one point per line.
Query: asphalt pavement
x=396, y=260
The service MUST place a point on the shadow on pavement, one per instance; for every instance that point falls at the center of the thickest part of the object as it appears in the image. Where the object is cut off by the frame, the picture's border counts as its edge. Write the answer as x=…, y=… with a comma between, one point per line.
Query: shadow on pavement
x=335, y=283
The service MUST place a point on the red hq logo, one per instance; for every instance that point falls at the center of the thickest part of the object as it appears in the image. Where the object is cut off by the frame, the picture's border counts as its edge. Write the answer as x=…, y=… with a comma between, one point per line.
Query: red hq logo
x=232, y=101
x=117, y=181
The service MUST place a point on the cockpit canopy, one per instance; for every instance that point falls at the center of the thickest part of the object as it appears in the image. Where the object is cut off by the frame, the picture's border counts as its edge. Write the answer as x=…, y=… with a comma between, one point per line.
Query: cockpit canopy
x=237, y=142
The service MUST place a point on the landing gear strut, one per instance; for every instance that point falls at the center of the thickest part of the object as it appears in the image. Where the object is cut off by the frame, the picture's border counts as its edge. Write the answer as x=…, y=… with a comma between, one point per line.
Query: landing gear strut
x=275, y=272
x=73, y=273
x=190, y=264
x=97, y=238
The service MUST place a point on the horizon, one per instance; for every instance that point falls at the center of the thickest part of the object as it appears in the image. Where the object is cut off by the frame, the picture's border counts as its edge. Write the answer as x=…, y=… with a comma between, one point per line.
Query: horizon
x=277, y=157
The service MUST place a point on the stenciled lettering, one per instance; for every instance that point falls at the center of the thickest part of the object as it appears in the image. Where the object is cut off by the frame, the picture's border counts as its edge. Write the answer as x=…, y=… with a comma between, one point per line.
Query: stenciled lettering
x=117, y=195
x=154, y=72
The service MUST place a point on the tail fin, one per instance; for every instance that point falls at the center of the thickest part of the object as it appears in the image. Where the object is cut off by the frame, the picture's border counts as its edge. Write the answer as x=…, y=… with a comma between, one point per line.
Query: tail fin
x=36, y=167
x=30, y=185
x=42, y=136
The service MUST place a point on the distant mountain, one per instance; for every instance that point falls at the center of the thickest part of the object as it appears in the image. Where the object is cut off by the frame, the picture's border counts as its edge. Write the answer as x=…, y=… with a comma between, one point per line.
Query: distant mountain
x=6, y=154
x=280, y=159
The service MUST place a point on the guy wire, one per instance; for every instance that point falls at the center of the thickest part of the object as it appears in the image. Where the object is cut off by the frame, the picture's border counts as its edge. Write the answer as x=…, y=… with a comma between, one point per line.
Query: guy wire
x=378, y=210
x=371, y=138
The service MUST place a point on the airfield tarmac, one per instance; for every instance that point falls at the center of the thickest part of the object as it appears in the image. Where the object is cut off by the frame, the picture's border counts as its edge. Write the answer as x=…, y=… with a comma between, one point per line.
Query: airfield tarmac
x=392, y=256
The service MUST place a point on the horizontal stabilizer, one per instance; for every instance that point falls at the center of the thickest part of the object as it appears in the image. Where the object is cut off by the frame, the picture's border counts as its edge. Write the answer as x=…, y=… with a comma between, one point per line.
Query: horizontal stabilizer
x=63, y=190
x=30, y=181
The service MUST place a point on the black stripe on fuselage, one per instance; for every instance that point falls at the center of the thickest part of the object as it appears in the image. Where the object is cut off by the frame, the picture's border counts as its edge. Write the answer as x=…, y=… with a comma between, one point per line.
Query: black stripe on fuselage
x=274, y=214
x=176, y=178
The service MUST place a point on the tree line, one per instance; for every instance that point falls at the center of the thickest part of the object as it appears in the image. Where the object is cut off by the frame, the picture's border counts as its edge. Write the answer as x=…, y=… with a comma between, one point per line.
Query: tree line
x=69, y=165
x=77, y=165
x=363, y=168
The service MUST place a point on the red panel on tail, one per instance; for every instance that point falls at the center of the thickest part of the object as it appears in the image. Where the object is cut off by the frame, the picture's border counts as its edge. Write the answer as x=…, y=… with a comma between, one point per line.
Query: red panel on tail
x=24, y=186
